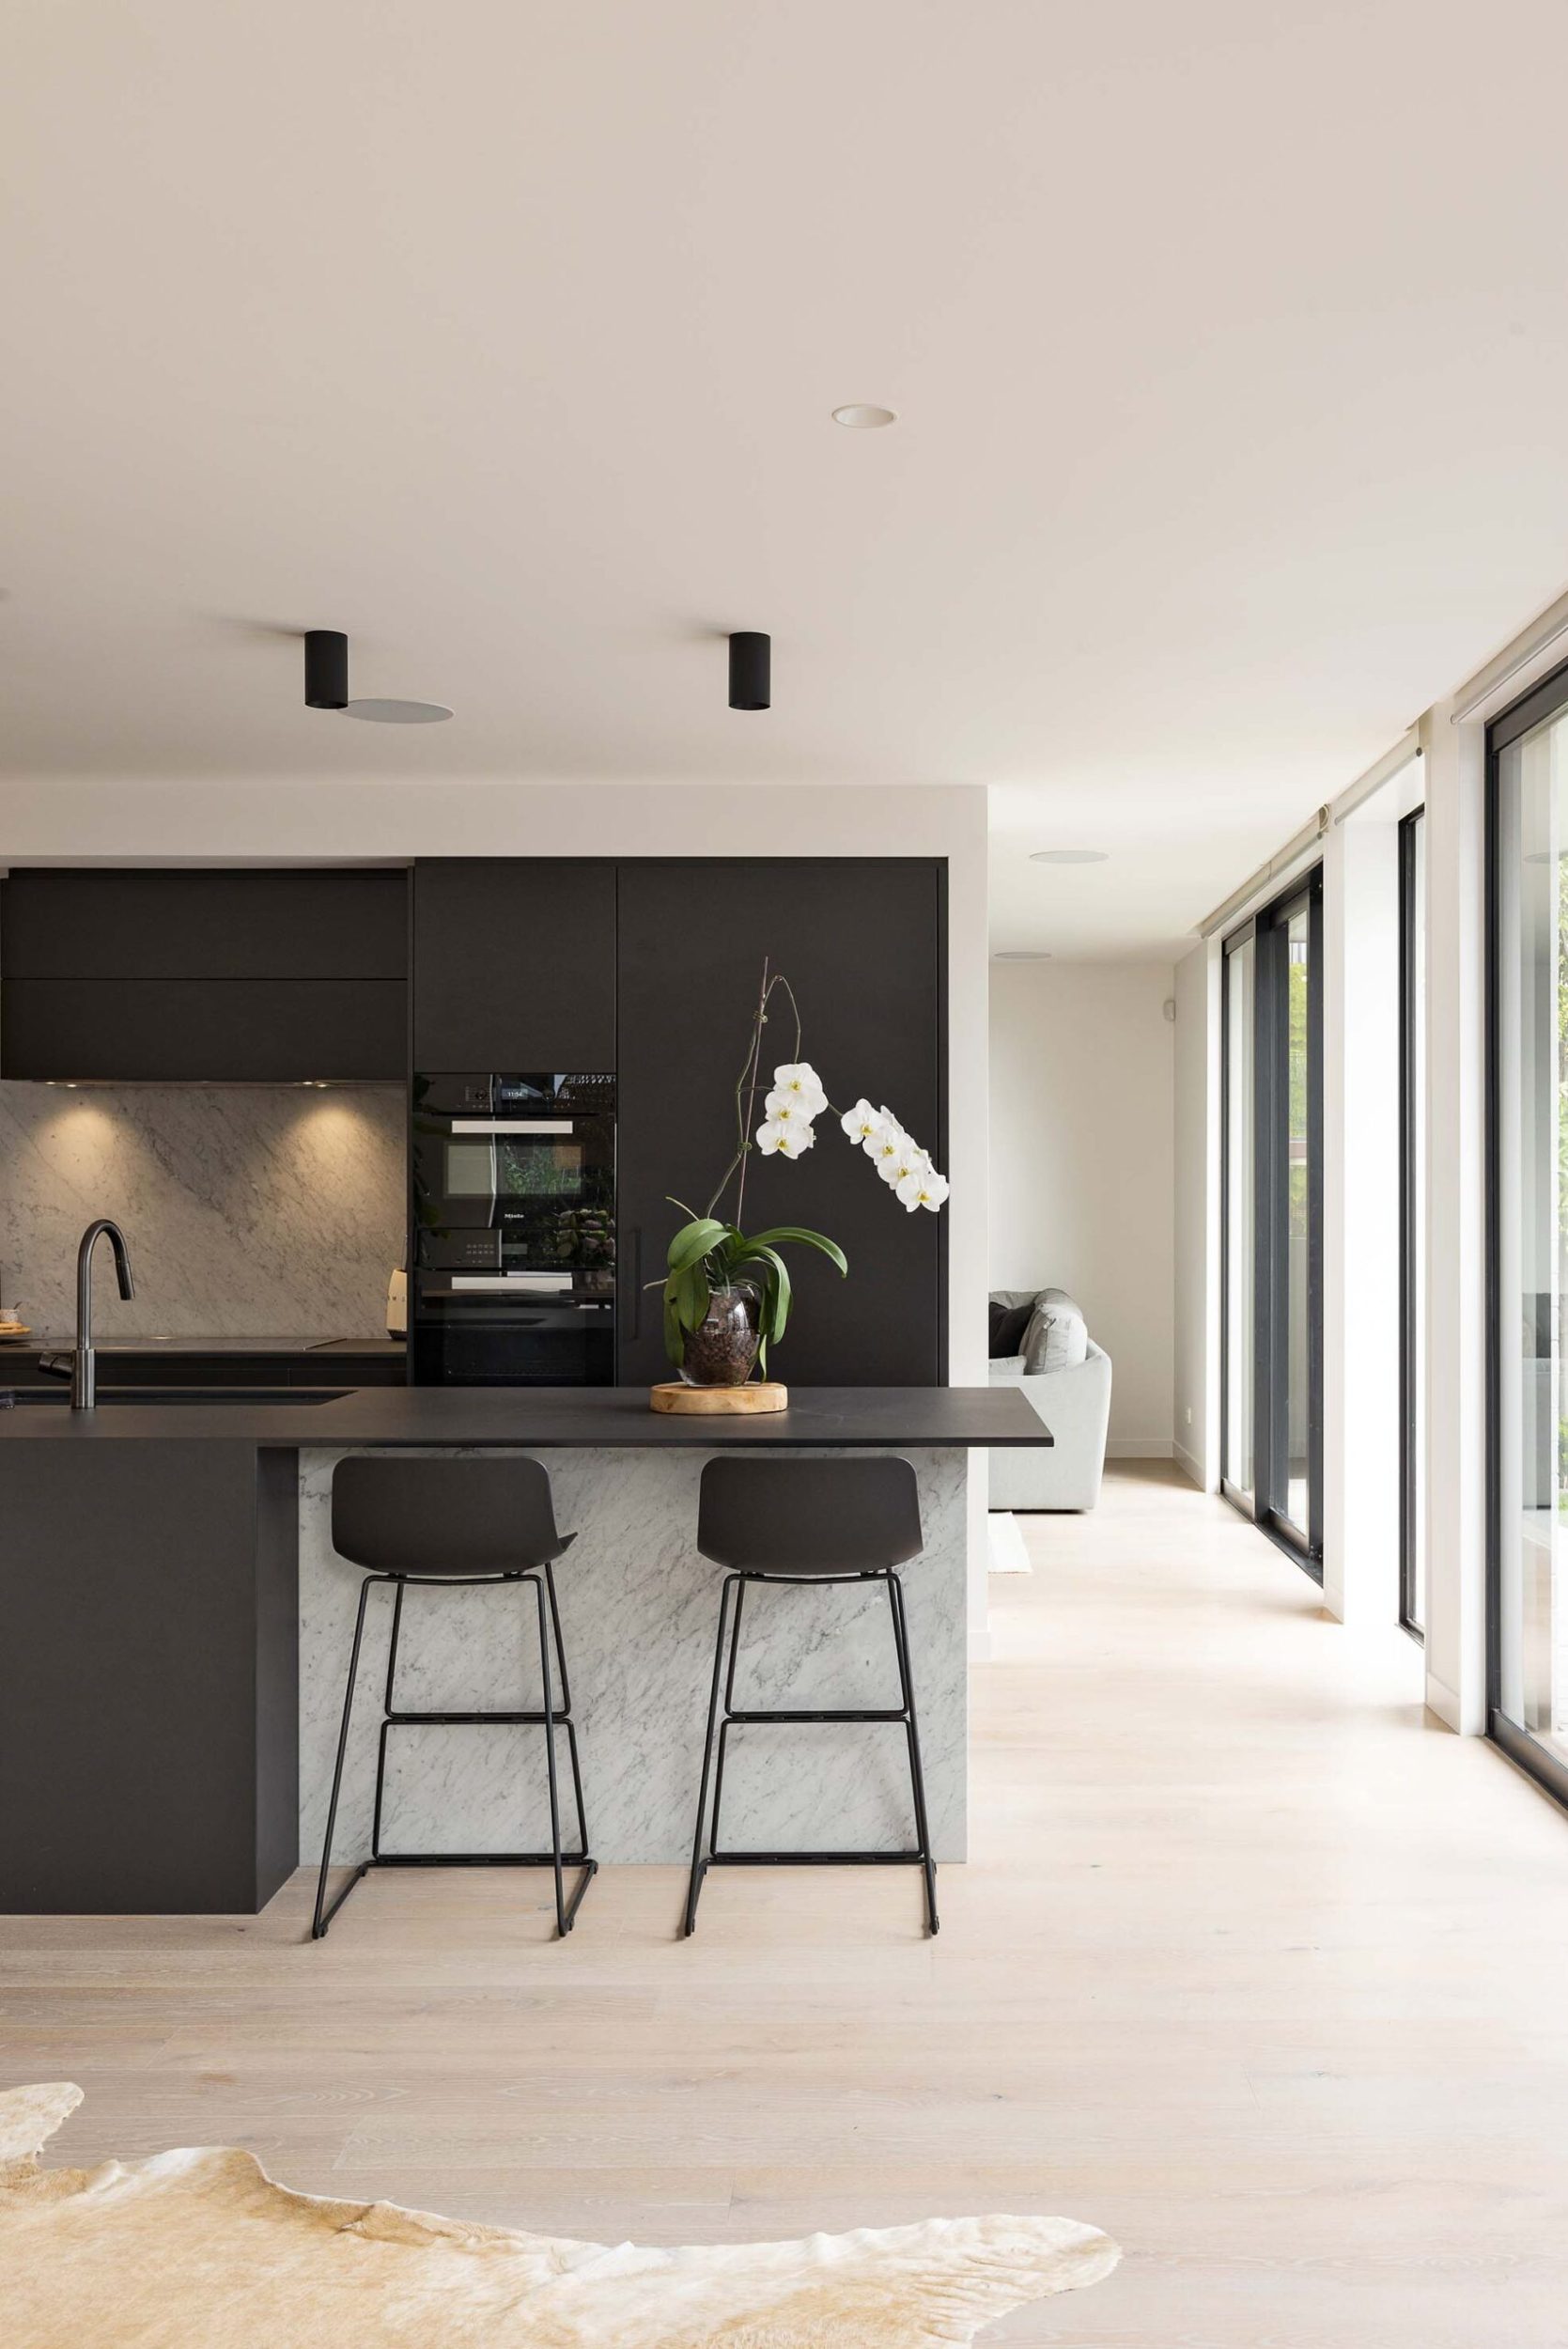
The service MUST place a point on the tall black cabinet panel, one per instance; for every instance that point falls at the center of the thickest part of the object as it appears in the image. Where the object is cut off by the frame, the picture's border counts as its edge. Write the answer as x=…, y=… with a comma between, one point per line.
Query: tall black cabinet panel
x=514, y=964
x=862, y=941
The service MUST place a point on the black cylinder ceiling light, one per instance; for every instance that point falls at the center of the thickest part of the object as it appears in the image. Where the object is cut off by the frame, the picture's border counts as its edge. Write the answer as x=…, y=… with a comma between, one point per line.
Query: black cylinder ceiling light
x=327, y=686
x=326, y=668
x=751, y=670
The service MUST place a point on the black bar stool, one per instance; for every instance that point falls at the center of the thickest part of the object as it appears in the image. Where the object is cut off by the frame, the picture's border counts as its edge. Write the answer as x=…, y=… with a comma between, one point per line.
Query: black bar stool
x=454, y=1523
x=807, y=1522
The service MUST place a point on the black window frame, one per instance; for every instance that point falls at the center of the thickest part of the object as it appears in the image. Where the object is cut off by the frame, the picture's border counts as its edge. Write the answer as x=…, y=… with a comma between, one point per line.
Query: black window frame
x=1411, y=1273
x=1270, y=1233
x=1522, y=717
x=1239, y=1496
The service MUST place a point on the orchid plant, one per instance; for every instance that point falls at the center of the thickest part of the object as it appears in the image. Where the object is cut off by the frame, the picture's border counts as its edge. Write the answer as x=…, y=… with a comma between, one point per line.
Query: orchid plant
x=710, y=1252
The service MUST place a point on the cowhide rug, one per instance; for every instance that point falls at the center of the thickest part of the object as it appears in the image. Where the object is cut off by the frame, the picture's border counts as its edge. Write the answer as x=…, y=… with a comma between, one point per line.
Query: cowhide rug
x=202, y=2251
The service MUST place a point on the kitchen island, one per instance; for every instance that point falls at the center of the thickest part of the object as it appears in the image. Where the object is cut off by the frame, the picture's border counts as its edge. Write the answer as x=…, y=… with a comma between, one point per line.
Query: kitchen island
x=178, y=1628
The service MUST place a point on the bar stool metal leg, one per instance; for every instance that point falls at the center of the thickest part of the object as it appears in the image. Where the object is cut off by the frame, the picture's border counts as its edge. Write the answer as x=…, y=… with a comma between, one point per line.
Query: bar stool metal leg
x=551, y=1716
x=324, y=1916
x=562, y=1927
x=699, y=1865
x=917, y=1773
x=387, y=1710
x=720, y=1722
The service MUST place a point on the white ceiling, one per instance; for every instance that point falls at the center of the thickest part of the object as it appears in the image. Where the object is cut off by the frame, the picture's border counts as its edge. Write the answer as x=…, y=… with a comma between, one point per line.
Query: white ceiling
x=1229, y=343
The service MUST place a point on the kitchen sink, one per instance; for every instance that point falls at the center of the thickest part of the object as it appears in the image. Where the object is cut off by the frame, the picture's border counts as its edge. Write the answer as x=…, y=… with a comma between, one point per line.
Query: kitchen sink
x=235, y=1397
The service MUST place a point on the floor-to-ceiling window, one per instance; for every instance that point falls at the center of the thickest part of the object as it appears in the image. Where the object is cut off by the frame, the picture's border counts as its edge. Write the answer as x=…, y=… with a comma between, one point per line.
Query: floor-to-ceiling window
x=1528, y=1612
x=1239, y=1047
x=1273, y=1220
x=1412, y=1221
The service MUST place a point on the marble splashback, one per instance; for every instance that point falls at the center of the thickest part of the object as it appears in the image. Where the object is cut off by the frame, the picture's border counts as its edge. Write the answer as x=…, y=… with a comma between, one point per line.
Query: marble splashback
x=638, y=1614
x=251, y=1211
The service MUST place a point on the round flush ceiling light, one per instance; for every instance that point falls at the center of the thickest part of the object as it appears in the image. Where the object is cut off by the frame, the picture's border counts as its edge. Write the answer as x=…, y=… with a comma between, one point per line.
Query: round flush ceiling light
x=1023, y=953
x=385, y=713
x=858, y=417
x=1069, y=856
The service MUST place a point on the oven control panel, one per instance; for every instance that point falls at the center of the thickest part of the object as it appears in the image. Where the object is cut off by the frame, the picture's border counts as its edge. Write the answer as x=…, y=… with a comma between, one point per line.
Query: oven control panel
x=489, y=1093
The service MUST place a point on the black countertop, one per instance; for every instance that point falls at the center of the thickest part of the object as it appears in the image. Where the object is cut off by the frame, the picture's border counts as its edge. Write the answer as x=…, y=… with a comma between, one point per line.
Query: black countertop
x=552, y=1417
x=153, y=1349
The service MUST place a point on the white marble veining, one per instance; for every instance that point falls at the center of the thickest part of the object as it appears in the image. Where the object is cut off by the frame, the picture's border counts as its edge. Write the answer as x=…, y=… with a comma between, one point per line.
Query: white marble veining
x=251, y=1211
x=639, y=1615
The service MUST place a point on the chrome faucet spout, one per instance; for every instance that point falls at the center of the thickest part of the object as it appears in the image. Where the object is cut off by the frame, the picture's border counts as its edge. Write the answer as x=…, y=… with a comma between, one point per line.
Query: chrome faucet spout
x=83, y=1371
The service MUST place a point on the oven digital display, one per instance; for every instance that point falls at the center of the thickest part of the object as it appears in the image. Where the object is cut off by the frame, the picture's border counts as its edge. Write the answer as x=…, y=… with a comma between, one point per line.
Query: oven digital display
x=514, y=1168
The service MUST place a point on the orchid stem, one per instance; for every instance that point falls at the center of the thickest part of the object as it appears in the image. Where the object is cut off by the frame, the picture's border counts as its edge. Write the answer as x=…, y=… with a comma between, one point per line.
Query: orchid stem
x=754, y=1058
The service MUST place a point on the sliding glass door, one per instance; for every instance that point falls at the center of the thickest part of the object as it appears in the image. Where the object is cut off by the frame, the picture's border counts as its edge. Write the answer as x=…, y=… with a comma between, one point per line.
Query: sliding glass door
x=1412, y=1221
x=1528, y=1612
x=1273, y=1220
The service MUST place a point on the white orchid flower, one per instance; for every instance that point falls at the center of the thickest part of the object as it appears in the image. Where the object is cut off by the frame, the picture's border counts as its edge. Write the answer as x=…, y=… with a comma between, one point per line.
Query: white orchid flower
x=781, y=1102
x=924, y=1187
x=785, y=1111
x=903, y=1163
x=860, y=1123
x=799, y=1080
x=789, y=1135
x=887, y=1145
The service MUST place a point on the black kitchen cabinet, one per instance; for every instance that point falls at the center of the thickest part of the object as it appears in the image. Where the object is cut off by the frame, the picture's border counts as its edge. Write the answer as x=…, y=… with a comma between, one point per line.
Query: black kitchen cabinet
x=335, y=922
x=244, y=977
x=149, y=1678
x=514, y=964
x=204, y=1030
x=861, y=942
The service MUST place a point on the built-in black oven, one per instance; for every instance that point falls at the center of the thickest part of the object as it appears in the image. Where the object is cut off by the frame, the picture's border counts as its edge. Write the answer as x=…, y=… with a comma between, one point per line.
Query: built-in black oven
x=513, y=1230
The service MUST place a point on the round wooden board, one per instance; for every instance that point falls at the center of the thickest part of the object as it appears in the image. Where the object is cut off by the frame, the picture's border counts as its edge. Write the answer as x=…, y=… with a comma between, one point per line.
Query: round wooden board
x=758, y=1394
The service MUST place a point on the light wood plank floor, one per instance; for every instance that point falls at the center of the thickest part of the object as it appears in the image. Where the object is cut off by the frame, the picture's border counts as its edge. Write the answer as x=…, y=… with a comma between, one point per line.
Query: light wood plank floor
x=1254, y=1966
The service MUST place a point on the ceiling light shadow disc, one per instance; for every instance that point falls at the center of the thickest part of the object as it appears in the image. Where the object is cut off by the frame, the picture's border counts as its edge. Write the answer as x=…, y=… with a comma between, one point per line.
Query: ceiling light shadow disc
x=388, y=713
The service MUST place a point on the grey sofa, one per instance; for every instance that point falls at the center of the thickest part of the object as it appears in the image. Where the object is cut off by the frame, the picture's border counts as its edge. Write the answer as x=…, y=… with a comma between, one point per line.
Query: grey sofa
x=1071, y=1392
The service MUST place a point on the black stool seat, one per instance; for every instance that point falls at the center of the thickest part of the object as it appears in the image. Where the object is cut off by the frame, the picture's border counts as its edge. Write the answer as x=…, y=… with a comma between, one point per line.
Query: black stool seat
x=457, y=1522
x=807, y=1522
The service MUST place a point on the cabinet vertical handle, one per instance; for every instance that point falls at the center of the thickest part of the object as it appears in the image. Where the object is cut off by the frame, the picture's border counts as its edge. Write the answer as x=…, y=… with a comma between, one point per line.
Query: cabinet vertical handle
x=636, y=1280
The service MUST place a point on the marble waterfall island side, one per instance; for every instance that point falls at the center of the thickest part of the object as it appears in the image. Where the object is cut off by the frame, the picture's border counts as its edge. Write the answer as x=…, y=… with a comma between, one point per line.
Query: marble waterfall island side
x=639, y=1616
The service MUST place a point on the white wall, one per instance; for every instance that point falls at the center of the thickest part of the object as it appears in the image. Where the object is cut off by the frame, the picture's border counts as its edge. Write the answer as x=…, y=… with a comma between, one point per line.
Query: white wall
x=1196, y=1331
x=1456, y=1218
x=1082, y=1165
x=1361, y=1209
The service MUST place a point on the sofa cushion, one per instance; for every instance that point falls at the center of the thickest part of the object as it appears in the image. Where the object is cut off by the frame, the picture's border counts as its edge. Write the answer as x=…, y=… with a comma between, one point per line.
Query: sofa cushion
x=1008, y=1324
x=1057, y=1337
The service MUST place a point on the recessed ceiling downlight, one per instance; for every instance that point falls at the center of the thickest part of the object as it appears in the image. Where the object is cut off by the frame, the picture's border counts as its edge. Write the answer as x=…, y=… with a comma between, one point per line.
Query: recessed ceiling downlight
x=385, y=713
x=1069, y=856
x=1023, y=953
x=860, y=416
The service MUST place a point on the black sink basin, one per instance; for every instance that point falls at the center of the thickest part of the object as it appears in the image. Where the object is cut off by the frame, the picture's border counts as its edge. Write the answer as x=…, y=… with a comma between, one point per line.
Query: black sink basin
x=242, y=1397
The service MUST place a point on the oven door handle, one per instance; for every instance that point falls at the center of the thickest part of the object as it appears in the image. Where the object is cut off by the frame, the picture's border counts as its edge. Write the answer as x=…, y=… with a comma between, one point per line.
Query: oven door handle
x=516, y=1284
x=514, y=1125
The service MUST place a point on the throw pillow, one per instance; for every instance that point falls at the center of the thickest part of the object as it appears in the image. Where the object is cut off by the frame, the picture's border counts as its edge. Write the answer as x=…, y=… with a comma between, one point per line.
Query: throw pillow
x=1057, y=1337
x=1008, y=1324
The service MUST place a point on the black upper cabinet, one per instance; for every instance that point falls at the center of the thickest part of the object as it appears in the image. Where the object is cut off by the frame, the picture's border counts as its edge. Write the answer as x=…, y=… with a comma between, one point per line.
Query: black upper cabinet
x=250, y=977
x=323, y=924
x=205, y=1030
x=514, y=964
x=862, y=943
